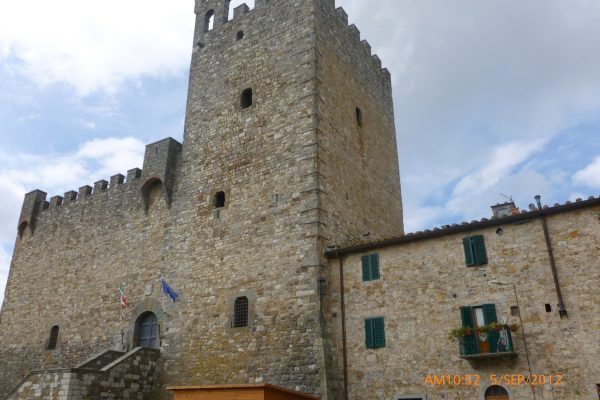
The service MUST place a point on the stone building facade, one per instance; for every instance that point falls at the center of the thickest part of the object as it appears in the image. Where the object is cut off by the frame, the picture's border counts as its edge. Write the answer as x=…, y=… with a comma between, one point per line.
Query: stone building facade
x=289, y=151
x=424, y=282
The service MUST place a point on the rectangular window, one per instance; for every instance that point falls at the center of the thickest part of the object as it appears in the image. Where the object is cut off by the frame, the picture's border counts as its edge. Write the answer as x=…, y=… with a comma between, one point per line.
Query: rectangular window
x=370, y=267
x=475, y=253
x=374, y=333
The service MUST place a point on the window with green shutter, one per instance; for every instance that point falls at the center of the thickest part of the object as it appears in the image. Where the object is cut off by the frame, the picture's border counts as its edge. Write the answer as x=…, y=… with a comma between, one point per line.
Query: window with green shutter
x=374, y=333
x=475, y=253
x=370, y=267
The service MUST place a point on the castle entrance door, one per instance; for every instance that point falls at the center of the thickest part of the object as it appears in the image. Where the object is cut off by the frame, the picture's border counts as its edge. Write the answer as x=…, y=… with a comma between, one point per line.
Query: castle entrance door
x=147, y=330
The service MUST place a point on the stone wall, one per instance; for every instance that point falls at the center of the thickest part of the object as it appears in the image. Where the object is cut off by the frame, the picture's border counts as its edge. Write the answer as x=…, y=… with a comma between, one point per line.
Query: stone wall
x=128, y=377
x=424, y=283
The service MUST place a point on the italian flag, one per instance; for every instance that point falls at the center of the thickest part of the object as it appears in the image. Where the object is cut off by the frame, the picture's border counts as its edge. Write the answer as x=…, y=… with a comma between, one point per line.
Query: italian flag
x=122, y=298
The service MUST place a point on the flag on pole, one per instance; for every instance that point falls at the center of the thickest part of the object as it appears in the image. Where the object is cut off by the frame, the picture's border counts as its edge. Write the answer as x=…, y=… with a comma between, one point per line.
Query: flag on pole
x=122, y=298
x=168, y=290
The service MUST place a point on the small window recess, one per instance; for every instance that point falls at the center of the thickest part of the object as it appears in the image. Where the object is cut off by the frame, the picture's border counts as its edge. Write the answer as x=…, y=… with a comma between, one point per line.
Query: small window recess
x=246, y=98
x=239, y=35
x=548, y=307
x=53, y=338
x=323, y=287
x=514, y=311
x=22, y=228
x=359, y=117
x=240, y=312
x=209, y=20
x=219, y=199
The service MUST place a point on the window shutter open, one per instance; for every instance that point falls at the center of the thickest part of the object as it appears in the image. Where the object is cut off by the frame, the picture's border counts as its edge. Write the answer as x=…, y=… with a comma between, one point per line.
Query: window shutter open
x=378, y=332
x=374, y=266
x=489, y=316
x=469, y=256
x=366, y=270
x=479, y=250
x=369, y=333
x=469, y=342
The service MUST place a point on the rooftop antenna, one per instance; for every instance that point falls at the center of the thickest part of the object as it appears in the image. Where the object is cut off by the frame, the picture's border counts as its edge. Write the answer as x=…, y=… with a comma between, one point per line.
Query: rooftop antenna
x=509, y=198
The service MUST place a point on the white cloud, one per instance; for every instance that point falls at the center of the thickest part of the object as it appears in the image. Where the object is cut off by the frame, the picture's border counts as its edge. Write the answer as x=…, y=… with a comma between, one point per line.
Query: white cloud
x=500, y=163
x=590, y=175
x=91, y=125
x=97, y=47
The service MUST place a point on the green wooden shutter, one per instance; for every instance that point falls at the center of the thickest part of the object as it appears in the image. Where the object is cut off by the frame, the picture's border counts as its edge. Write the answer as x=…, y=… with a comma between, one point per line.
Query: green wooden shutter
x=366, y=270
x=378, y=332
x=369, y=333
x=374, y=266
x=468, y=342
x=469, y=256
x=489, y=316
x=479, y=250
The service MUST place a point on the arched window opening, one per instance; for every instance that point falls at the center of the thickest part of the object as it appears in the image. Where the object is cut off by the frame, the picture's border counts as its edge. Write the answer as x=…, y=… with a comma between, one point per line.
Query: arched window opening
x=219, y=199
x=22, y=228
x=151, y=192
x=239, y=35
x=246, y=99
x=240, y=312
x=53, y=338
x=147, y=330
x=209, y=20
x=359, y=118
x=496, y=392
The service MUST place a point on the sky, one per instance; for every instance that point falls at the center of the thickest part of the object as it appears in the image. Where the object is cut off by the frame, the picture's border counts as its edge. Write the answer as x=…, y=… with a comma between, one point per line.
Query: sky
x=493, y=99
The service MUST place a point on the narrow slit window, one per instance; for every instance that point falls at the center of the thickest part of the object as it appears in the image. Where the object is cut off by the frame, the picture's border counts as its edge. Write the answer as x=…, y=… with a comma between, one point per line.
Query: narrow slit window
x=246, y=99
x=220, y=200
x=240, y=312
x=359, y=117
x=548, y=307
x=53, y=338
x=239, y=35
x=209, y=20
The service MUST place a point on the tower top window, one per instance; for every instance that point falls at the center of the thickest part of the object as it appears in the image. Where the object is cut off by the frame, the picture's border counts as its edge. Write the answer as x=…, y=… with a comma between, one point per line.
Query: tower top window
x=209, y=20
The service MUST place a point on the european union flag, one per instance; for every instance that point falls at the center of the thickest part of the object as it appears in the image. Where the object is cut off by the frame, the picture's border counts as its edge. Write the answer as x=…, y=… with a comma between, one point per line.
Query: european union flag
x=168, y=290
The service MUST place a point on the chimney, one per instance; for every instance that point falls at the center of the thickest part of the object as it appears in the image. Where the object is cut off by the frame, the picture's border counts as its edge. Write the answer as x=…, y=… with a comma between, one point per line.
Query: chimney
x=504, y=209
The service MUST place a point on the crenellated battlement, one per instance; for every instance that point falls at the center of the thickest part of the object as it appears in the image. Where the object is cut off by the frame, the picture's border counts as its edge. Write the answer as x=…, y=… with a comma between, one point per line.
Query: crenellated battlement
x=159, y=169
x=354, y=34
x=217, y=11
x=87, y=191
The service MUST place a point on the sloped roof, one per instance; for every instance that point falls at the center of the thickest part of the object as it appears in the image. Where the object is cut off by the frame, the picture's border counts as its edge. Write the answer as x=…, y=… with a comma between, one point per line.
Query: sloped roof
x=364, y=244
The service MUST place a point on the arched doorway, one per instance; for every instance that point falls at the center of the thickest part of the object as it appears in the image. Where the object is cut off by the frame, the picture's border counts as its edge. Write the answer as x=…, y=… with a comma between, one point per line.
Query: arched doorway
x=147, y=330
x=496, y=392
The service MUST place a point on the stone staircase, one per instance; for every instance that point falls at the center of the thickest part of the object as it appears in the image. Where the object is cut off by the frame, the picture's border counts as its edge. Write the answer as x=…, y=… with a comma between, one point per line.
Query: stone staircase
x=108, y=375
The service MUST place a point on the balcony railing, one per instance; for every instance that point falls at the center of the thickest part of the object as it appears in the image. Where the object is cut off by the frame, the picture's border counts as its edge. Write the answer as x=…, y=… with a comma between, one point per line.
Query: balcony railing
x=487, y=345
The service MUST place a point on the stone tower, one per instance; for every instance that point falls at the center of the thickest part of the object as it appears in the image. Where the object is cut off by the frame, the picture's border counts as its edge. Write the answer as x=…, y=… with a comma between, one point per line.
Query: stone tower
x=289, y=146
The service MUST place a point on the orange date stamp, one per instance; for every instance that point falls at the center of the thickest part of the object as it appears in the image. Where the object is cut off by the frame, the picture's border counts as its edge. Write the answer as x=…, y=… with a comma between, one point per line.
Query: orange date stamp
x=494, y=379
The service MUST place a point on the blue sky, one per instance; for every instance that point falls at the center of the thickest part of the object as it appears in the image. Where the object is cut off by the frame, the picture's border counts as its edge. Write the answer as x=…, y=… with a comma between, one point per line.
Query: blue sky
x=501, y=96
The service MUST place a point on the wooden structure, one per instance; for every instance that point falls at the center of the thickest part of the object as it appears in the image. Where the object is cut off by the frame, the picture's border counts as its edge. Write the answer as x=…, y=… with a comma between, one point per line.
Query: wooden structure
x=262, y=391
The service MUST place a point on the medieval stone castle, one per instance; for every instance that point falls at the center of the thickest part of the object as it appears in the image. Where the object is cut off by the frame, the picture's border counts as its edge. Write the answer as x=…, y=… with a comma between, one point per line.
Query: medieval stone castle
x=239, y=258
